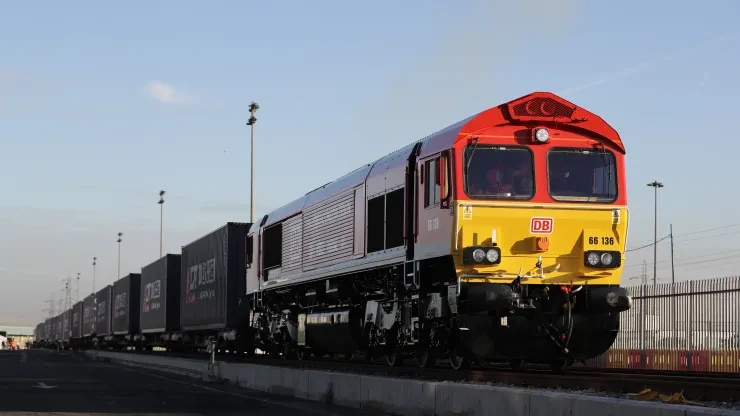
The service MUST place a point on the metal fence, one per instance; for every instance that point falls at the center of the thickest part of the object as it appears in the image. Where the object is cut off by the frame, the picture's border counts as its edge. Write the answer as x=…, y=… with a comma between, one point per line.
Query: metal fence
x=689, y=326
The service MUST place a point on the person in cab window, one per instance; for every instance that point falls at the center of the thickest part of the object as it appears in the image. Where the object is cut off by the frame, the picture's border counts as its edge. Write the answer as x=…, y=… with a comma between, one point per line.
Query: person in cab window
x=477, y=180
x=512, y=176
x=522, y=179
x=499, y=179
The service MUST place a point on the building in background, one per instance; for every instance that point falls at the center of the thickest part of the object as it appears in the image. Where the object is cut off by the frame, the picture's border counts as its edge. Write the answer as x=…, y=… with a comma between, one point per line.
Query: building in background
x=21, y=334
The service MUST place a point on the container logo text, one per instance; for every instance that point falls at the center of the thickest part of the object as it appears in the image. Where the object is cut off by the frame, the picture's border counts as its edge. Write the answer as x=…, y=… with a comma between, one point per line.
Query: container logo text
x=102, y=309
x=151, y=294
x=197, y=276
x=119, y=307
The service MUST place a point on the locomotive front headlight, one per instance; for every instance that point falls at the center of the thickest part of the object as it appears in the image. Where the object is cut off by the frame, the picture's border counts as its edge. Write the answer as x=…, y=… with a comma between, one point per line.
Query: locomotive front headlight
x=479, y=255
x=541, y=135
x=606, y=259
x=492, y=256
x=593, y=259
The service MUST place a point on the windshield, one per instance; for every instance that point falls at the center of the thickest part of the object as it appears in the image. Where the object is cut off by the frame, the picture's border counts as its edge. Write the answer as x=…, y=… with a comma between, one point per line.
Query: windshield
x=582, y=175
x=498, y=172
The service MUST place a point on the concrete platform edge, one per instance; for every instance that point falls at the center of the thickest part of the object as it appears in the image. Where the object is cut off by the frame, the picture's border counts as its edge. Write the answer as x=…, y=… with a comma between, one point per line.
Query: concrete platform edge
x=404, y=396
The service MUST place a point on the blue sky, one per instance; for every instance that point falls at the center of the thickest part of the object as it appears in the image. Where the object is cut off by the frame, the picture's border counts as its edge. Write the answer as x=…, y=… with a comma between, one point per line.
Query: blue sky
x=101, y=105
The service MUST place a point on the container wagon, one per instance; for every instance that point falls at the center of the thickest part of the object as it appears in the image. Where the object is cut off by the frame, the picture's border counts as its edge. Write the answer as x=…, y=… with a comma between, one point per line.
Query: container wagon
x=76, y=340
x=213, y=279
x=103, y=330
x=125, y=313
x=65, y=331
x=160, y=302
x=39, y=335
x=48, y=331
x=88, y=320
x=58, y=331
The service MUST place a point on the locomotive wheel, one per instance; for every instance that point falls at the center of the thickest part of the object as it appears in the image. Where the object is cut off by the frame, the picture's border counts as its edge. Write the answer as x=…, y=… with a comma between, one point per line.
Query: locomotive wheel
x=289, y=351
x=394, y=356
x=426, y=356
x=458, y=359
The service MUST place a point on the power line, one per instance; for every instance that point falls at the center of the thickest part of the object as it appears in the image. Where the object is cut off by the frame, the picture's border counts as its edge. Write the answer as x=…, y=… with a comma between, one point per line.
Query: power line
x=701, y=265
x=688, y=258
x=648, y=245
x=724, y=227
x=708, y=236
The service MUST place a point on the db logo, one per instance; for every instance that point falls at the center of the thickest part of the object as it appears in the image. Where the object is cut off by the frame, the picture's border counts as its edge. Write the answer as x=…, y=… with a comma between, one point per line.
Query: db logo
x=540, y=225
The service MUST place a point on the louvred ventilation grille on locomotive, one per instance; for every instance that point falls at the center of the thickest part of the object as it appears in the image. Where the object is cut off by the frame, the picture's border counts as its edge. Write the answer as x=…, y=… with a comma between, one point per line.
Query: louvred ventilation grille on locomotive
x=541, y=108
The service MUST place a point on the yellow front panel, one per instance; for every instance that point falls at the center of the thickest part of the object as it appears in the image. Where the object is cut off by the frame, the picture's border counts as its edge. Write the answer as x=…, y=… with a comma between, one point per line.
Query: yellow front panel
x=565, y=231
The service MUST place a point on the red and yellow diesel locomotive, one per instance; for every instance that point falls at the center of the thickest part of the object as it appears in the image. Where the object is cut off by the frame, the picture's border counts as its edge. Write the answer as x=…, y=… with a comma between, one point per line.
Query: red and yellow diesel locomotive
x=500, y=237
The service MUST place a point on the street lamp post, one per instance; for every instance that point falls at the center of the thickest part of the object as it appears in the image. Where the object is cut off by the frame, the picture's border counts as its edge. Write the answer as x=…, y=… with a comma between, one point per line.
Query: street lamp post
x=78, y=287
x=253, y=107
x=95, y=261
x=656, y=185
x=161, y=220
x=119, y=254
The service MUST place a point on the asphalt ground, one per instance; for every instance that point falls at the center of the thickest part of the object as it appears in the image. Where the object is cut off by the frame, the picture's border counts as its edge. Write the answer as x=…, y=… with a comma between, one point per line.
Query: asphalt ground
x=39, y=382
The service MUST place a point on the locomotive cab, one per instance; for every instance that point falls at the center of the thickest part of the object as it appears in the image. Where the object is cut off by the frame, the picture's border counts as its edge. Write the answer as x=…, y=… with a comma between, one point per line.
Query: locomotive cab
x=540, y=226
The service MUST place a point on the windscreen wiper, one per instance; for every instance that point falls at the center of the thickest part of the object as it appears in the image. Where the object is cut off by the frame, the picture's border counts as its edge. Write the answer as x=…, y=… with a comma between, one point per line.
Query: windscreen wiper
x=470, y=157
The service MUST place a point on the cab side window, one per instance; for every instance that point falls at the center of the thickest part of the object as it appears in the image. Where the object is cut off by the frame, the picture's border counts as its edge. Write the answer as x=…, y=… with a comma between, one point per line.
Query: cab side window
x=435, y=174
x=250, y=250
x=431, y=182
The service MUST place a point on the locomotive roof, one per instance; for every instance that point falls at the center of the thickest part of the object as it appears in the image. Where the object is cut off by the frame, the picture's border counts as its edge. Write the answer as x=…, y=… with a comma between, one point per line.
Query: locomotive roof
x=537, y=108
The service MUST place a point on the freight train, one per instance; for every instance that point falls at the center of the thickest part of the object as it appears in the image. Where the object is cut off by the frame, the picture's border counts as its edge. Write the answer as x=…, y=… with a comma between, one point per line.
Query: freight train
x=499, y=238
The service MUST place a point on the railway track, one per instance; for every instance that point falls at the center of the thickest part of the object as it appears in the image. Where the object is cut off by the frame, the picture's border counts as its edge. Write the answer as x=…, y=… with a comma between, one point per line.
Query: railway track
x=696, y=386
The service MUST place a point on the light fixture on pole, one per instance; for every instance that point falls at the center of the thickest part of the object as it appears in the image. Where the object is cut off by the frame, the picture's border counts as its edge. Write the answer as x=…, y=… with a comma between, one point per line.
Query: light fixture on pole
x=253, y=107
x=119, y=254
x=78, y=287
x=95, y=261
x=161, y=220
x=656, y=185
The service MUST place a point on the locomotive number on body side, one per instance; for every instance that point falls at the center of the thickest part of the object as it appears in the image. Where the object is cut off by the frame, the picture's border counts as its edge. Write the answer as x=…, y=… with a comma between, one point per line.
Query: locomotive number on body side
x=433, y=224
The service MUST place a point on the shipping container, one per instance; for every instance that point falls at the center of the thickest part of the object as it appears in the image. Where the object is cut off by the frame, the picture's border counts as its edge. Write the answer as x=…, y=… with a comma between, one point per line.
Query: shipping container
x=213, y=278
x=77, y=320
x=126, y=292
x=66, y=324
x=88, y=315
x=58, y=328
x=48, y=329
x=160, y=295
x=39, y=332
x=103, y=311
